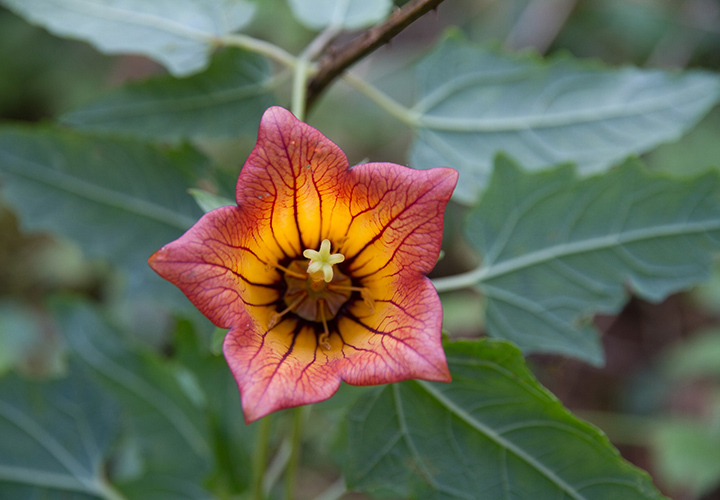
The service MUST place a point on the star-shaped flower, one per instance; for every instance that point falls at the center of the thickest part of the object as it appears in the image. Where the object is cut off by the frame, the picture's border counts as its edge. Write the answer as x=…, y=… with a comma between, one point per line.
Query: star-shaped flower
x=319, y=272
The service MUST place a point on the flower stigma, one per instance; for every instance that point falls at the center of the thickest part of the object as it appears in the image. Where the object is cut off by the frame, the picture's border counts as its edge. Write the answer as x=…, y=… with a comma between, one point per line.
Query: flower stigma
x=321, y=262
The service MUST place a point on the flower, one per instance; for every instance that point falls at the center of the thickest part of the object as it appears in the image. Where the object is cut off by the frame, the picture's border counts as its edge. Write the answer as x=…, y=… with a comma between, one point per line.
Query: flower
x=319, y=272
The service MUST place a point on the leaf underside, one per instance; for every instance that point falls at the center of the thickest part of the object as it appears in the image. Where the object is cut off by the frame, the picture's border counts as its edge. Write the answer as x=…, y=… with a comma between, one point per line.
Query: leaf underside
x=347, y=14
x=475, y=102
x=557, y=249
x=180, y=34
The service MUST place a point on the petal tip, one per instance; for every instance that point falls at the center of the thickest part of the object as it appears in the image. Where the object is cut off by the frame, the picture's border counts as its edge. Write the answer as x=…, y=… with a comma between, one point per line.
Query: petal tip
x=276, y=115
x=155, y=259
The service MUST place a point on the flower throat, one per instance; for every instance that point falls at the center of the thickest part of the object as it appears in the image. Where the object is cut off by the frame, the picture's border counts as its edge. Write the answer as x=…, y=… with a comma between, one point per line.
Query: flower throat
x=316, y=290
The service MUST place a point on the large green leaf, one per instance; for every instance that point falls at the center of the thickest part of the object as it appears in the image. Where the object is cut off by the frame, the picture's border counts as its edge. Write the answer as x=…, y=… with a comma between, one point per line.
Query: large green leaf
x=493, y=433
x=168, y=436
x=224, y=101
x=232, y=439
x=556, y=249
x=180, y=34
x=348, y=14
x=475, y=102
x=56, y=438
x=120, y=200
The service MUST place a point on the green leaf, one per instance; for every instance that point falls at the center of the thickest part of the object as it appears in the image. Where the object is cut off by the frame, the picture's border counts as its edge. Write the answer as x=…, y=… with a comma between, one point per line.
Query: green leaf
x=208, y=201
x=167, y=429
x=227, y=100
x=475, y=102
x=180, y=34
x=557, y=249
x=493, y=433
x=120, y=200
x=348, y=14
x=56, y=439
x=232, y=439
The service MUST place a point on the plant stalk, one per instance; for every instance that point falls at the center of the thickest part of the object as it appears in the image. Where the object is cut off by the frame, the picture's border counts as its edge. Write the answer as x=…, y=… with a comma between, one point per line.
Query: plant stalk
x=295, y=443
x=260, y=458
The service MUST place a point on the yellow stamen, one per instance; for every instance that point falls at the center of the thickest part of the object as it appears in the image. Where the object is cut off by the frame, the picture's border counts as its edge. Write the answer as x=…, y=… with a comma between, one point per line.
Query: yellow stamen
x=323, y=340
x=364, y=293
x=287, y=271
x=275, y=317
x=321, y=262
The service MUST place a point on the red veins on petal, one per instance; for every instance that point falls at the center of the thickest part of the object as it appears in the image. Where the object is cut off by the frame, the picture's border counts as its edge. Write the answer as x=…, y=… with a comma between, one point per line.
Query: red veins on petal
x=243, y=267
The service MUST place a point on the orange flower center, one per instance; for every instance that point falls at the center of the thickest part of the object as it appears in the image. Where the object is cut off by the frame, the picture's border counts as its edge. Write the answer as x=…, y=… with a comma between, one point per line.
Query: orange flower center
x=316, y=290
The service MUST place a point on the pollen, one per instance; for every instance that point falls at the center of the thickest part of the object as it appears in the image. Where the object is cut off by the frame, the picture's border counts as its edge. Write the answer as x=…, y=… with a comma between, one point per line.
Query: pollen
x=321, y=263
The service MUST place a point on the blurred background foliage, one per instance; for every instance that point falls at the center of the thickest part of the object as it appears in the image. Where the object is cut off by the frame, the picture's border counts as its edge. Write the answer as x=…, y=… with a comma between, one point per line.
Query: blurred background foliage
x=658, y=397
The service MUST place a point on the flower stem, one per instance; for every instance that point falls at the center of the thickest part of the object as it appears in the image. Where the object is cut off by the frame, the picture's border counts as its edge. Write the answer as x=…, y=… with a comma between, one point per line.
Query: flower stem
x=260, y=458
x=295, y=443
x=299, y=88
x=304, y=68
x=366, y=42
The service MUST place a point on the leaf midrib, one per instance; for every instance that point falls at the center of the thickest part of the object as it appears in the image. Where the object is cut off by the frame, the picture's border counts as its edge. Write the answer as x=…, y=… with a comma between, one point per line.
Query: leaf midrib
x=137, y=18
x=83, y=481
x=129, y=380
x=183, y=104
x=45, y=479
x=55, y=179
x=488, y=272
x=500, y=441
x=562, y=119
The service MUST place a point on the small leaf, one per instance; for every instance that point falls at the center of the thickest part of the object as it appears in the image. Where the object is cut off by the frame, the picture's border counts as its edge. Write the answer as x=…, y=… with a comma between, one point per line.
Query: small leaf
x=226, y=100
x=493, y=433
x=56, y=438
x=120, y=200
x=348, y=14
x=208, y=201
x=180, y=34
x=557, y=249
x=475, y=102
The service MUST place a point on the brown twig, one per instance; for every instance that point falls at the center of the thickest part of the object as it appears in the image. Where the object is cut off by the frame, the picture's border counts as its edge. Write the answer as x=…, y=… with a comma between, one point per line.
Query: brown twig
x=334, y=62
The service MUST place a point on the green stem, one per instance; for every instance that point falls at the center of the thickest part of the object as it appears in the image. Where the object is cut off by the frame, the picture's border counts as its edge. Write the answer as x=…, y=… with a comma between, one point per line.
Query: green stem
x=385, y=102
x=259, y=46
x=296, y=443
x=335, y=491
x=299, y=89
x=459, y=281
x=260, y=458
x=304, y=67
